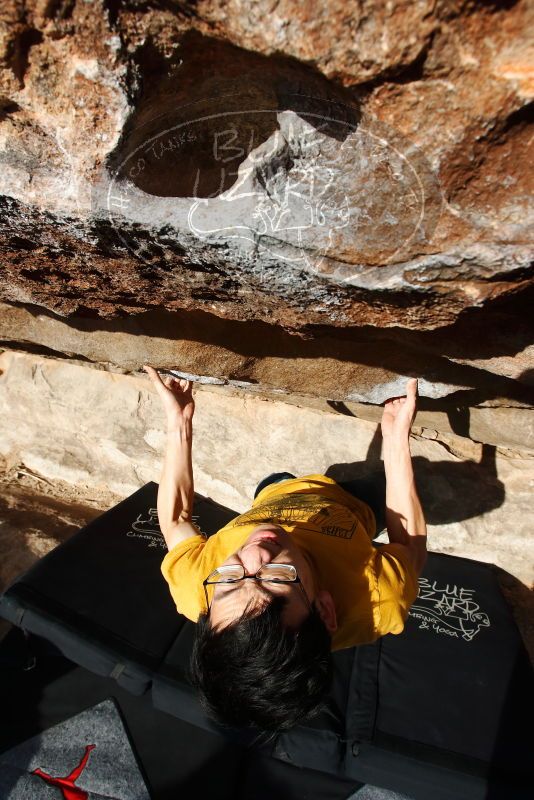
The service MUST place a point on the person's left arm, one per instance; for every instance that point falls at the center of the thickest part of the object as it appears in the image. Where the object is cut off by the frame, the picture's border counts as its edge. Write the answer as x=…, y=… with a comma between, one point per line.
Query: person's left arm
x=176, y=487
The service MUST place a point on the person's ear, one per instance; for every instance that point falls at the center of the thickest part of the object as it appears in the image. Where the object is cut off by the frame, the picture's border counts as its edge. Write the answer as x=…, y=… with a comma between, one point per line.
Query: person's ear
x=325, y=605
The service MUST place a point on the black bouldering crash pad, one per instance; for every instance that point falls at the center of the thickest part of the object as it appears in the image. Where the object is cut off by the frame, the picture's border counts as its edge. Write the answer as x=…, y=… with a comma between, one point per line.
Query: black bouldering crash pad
x=442, y=710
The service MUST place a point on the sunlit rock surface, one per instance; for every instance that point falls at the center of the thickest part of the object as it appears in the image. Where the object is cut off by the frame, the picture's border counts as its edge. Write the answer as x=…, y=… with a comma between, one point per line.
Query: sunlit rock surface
x=483, y=361
x=325, y=166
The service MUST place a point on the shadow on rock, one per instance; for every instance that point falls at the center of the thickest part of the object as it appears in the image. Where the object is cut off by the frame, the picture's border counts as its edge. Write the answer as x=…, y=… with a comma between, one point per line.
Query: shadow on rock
x=449, y=491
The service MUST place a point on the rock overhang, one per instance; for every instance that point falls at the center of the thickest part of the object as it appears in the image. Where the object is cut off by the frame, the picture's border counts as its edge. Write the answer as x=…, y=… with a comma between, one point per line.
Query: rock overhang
x=366, y=183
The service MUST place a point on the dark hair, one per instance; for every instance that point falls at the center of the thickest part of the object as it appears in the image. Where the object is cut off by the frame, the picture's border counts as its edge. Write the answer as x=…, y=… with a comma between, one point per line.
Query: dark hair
x=255, y=672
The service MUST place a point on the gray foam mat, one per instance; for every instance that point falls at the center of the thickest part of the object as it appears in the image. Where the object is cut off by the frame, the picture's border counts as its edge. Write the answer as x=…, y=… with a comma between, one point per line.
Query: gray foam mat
x=87, y=757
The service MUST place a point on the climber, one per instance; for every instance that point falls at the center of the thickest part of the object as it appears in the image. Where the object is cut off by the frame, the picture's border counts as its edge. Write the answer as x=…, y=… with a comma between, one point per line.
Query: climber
x=297, y=576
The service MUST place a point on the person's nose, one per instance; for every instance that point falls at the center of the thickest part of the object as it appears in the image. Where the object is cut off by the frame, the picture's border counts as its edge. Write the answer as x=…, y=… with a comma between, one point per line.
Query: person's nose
x=255, y=555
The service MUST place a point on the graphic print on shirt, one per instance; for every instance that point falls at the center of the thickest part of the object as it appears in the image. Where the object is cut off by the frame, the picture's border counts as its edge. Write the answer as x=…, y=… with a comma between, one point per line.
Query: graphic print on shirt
x=333, y=519
x=448, y=609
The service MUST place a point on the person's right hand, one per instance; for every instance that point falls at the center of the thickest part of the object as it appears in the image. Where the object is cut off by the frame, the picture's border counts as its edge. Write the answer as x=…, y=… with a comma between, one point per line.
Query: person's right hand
x=176, y=395
x=399, y=413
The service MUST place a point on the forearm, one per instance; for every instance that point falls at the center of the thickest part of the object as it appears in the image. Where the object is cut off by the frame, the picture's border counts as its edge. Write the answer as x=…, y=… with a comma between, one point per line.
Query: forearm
x=176, y=488
x=405, y=519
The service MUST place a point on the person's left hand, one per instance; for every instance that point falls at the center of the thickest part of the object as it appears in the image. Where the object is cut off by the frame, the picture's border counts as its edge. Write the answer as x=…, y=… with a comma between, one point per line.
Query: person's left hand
x=176, y=395
x=399, y=413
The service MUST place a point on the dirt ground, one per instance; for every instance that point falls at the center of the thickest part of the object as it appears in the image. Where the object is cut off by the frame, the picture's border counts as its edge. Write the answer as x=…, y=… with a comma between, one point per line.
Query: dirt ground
x=36, y=516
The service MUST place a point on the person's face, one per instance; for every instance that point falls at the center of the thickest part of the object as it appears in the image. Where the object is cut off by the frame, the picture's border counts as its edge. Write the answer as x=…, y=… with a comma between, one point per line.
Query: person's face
x=269, y=543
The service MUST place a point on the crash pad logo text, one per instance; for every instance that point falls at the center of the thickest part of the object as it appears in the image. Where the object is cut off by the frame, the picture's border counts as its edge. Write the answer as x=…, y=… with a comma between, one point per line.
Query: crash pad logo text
x=146, y=527
x=449, y=610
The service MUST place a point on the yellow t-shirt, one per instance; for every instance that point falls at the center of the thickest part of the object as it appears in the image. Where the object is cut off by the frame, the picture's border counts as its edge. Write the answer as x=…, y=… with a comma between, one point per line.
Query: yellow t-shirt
x=373, y=588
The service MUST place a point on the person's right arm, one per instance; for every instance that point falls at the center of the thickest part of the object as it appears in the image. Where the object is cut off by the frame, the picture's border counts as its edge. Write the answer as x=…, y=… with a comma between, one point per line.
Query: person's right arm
x=176, y=487
x=405, y=520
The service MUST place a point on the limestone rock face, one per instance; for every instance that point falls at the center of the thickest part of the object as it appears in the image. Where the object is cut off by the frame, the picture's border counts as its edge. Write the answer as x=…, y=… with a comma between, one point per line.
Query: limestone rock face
x=305, y=164
x=475, y=377
x=308, y=202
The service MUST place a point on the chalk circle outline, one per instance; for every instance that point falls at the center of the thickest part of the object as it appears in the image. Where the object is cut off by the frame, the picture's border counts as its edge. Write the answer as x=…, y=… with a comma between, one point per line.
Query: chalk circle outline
x=380, y=138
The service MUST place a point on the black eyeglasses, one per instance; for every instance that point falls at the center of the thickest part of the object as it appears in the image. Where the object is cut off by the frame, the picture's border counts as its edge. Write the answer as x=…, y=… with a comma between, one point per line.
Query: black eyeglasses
x=270, y=573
